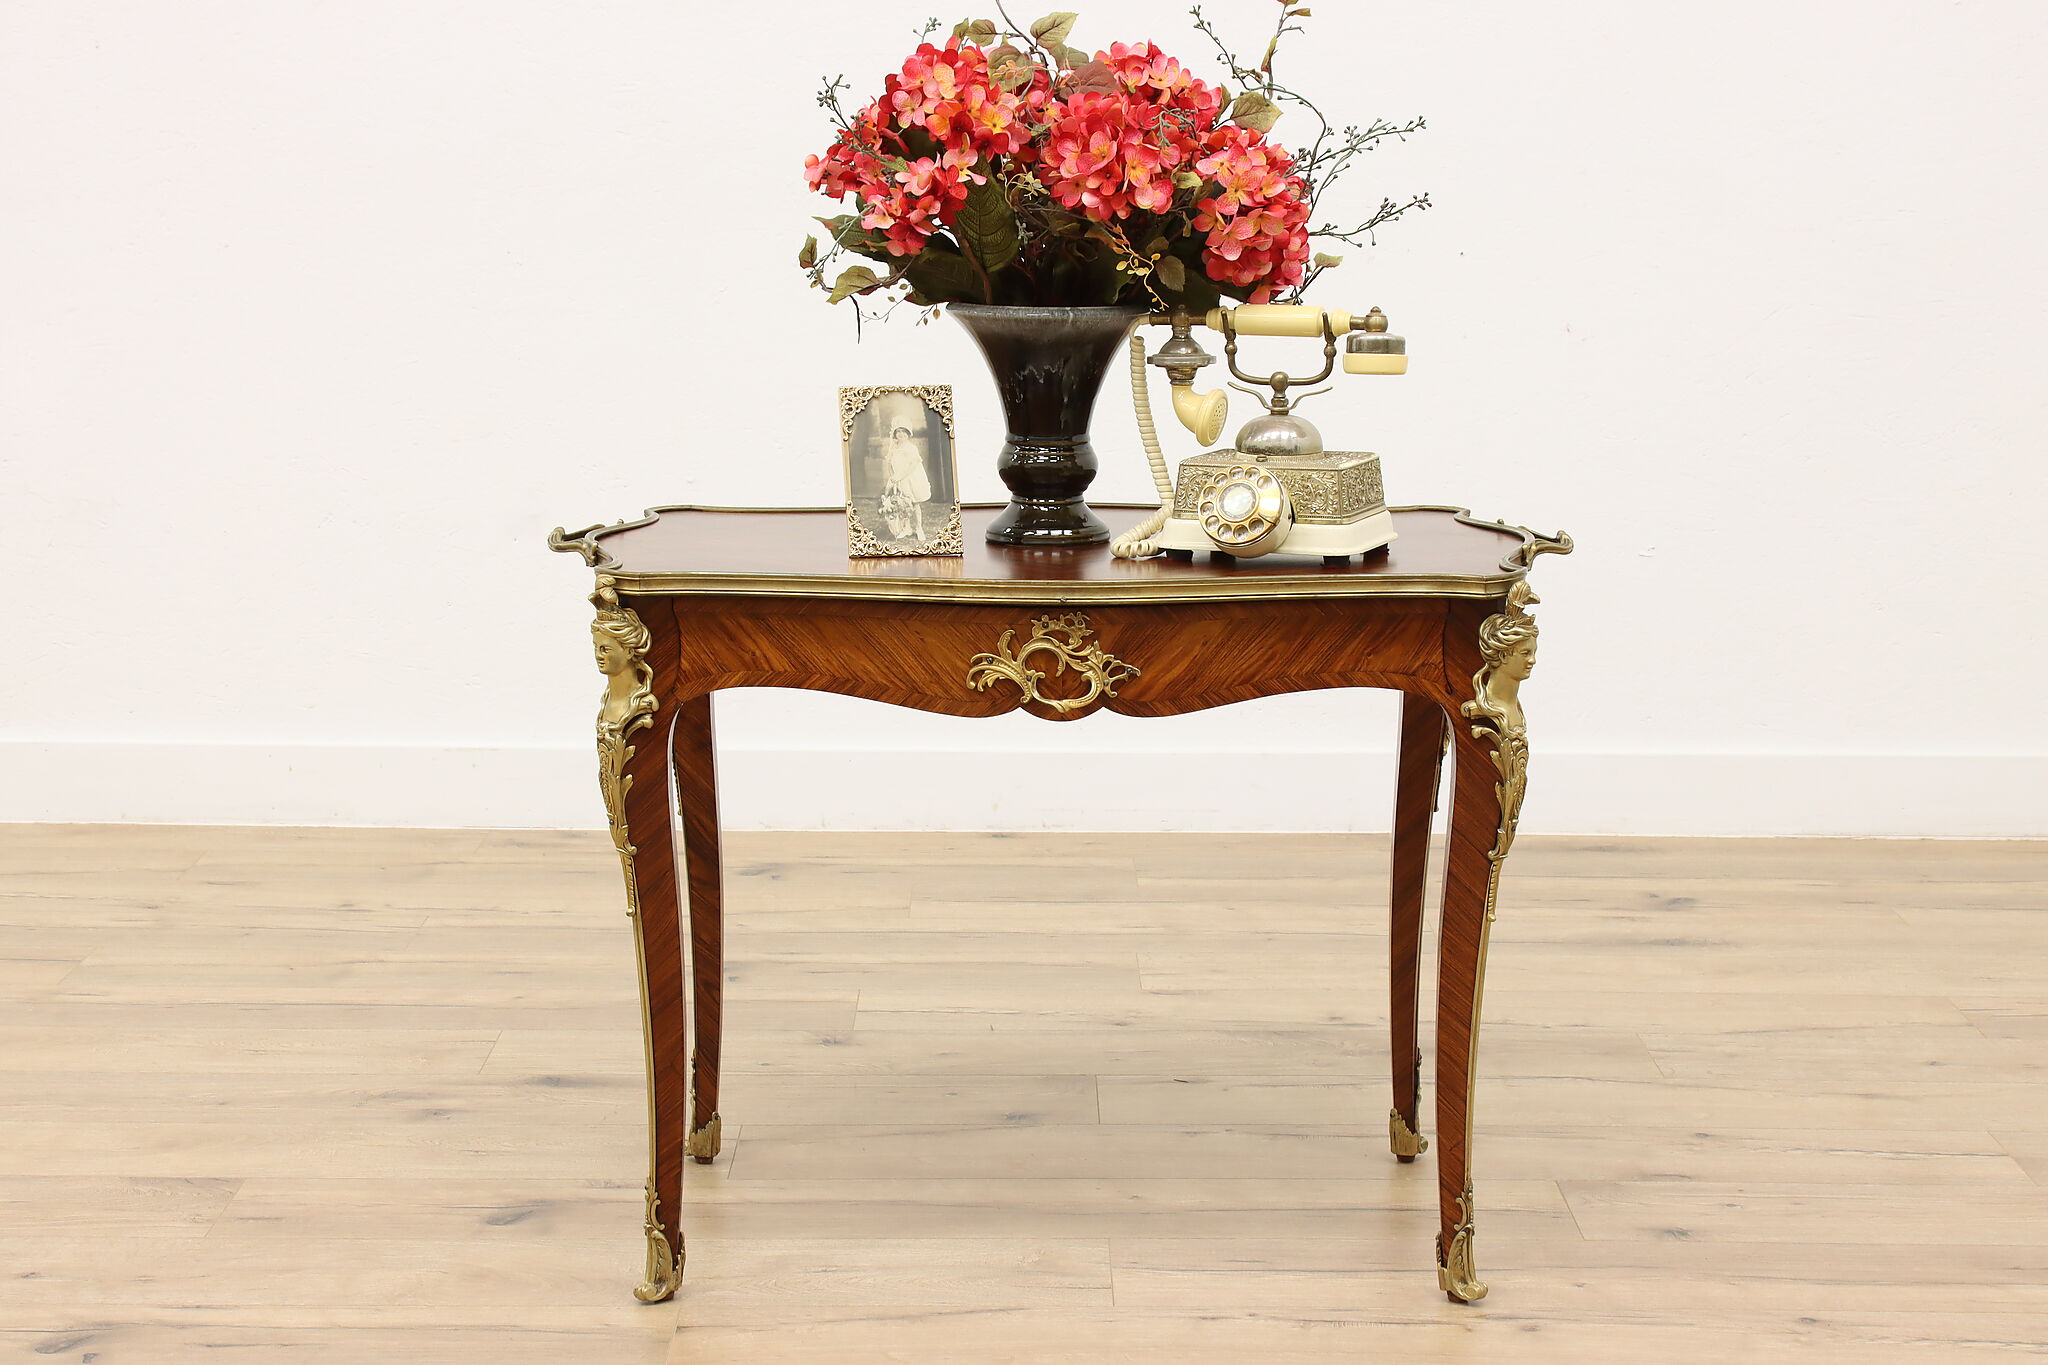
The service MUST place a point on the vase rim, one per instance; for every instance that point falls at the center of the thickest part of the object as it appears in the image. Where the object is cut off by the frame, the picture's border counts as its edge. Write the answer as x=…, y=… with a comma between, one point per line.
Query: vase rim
x=1050, y=311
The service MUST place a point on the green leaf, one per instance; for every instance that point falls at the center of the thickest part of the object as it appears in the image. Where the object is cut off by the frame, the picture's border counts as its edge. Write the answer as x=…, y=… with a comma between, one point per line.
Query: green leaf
x=1196, y=291
x=855, y=279
x=1254, y=111
x=1172, y=273
x=1009, y=68
x=1054, y=29
x=1200, y=294
x=938, y=276
x=1069, y=58
x=847, y=232
x=980, y=32
x=1095, y=76
x=1325, y=261
x=987, y=225
x=808, y=257
x=1186, y=180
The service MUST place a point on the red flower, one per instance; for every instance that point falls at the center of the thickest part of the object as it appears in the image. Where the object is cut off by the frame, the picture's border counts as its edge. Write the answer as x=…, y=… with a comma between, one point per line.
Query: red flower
x=1257, y=221
x=932, y=80
x=988, y=120
x=1145, y=71
x=1107, y=154
x=850, y=162
x=918, y=200
x=1118, y=138
x=947, y=91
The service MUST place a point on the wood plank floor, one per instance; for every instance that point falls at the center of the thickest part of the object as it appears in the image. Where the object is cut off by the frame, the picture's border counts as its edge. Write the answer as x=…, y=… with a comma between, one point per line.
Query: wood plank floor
x=359, y=1095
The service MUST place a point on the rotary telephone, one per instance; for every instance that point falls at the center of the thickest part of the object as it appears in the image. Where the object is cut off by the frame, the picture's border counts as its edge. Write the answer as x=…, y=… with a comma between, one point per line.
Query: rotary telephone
x=1277, y=489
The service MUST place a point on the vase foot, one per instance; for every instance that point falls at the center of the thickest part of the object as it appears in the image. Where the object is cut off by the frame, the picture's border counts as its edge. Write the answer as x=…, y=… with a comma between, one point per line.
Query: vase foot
x=1059, y=524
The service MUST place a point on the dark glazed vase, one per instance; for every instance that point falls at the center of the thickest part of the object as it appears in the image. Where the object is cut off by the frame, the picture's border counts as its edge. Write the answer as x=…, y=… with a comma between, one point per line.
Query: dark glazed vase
x=1048, y=364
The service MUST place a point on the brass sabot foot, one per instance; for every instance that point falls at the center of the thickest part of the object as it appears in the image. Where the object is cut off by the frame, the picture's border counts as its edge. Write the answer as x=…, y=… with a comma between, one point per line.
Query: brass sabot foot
x=1406, y=1143
x=703, y=1144
x=664, y=1267
x=661, y=1282
x=1461, y=1287
x=1455, y=1271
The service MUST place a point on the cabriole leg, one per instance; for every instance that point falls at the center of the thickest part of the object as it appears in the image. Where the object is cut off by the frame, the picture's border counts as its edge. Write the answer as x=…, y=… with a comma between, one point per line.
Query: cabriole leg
x=1461, y=979
x=1491, y=757
x=696, y=763
x=1423, y=734
x=633, y=773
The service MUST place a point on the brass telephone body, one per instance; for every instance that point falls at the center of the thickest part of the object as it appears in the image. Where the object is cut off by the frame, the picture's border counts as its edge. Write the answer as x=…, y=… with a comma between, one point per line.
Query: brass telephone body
x=1276, y=489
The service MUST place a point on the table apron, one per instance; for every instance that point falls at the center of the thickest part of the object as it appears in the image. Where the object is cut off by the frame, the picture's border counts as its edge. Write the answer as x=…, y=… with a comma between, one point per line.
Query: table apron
x=980, y=659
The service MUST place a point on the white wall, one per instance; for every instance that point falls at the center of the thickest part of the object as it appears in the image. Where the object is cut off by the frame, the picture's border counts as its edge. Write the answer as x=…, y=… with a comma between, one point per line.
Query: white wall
x=318, y=316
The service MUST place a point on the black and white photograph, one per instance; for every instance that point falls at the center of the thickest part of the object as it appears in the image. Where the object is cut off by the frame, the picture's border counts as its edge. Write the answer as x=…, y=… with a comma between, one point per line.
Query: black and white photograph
x=901, y=491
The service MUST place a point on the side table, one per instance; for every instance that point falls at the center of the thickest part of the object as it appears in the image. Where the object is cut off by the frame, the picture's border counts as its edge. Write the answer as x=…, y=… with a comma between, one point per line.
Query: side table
x=691, y=600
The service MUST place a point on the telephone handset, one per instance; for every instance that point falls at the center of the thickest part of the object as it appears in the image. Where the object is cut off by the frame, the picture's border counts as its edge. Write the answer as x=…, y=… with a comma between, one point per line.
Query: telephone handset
x=1277, y=489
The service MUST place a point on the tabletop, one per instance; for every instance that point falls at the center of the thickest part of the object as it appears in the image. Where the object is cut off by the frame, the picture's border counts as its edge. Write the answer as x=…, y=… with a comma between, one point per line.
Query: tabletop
x=1440, y=552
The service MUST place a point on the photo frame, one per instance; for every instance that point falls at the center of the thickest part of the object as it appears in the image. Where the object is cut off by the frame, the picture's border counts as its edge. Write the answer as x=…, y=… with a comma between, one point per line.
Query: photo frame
x=902, y=484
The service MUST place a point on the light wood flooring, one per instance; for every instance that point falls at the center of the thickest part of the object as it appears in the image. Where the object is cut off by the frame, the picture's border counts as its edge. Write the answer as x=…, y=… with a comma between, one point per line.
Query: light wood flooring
x=365, y=1096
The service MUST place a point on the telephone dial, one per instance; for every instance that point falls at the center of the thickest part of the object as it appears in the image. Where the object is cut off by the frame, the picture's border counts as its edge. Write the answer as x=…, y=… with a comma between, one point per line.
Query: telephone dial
x=1277, y=489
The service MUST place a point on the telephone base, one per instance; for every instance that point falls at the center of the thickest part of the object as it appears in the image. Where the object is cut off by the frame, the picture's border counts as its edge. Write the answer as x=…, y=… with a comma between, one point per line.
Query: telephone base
x=1359, y=537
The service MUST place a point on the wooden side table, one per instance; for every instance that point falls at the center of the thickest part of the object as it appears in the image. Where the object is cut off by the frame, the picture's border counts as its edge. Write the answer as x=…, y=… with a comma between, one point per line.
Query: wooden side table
x=691, y=600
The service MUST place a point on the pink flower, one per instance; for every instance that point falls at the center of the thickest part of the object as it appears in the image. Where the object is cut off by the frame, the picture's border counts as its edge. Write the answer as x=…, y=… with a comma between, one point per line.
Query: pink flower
x=1036, y=97
x=1143, y=70
x=939, y=181
x=1107, y=154
x=933, y=79
x=906, y=220
x=1257, y=220
x=966, y=165
x=918, y=200
x=1246, y=168
x=949, y=93
x=850, y=161
x=989, y=120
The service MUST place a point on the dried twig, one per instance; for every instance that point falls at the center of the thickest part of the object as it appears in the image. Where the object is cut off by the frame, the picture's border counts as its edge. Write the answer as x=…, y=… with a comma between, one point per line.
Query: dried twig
x=1386, y=213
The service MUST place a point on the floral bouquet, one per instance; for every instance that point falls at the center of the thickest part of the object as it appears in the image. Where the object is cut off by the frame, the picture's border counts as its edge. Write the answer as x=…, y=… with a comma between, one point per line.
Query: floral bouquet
x=1006, y=167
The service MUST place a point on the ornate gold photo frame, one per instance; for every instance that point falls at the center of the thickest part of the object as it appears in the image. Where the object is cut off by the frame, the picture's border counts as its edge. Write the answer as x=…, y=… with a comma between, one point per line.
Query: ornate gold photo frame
x=902, y=487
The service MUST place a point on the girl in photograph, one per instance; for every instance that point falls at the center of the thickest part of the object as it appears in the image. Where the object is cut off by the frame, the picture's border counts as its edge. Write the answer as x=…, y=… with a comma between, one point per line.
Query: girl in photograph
x=906, y=486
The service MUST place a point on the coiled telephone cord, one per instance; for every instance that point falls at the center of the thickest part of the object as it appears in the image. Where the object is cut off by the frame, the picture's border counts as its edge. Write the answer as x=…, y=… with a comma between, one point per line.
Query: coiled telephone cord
x=1136, y=543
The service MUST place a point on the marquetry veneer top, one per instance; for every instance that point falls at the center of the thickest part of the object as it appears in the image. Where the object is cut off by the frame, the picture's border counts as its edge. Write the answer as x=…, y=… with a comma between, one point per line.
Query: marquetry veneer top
x=1441, y=552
